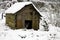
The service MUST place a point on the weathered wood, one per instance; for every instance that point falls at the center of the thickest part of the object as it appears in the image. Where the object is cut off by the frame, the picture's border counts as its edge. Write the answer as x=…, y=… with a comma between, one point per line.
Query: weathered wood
x=28, y=13
x=10, y=20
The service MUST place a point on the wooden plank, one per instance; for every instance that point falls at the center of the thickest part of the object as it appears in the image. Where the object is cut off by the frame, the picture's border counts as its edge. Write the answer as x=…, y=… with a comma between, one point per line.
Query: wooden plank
x=19, y=24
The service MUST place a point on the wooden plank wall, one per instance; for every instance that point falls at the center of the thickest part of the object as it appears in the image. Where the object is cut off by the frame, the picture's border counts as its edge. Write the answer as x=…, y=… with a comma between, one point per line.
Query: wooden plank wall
x=10, y=20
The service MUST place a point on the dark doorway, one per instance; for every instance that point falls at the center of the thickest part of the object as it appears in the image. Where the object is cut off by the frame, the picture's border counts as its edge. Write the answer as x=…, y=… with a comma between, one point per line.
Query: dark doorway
x=28, y=24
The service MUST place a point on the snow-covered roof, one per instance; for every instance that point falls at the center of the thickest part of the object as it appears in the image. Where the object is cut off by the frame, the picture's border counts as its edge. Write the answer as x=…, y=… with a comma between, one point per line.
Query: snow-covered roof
x=18, y=6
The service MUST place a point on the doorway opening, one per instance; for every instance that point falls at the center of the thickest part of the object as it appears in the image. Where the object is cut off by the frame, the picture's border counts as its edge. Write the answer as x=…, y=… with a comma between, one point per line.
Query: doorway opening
x=28, y=24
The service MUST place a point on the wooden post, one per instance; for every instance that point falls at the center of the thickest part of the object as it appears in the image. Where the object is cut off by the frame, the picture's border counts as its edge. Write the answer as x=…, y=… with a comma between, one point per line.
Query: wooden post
x=2, y=15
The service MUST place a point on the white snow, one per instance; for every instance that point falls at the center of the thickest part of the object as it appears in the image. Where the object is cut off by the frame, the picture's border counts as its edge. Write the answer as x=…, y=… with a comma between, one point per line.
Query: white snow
x=17, y=6
x=23, y=34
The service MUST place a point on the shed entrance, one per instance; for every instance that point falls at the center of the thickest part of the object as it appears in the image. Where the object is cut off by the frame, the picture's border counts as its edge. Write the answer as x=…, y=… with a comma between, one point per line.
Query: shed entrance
x=28, y=24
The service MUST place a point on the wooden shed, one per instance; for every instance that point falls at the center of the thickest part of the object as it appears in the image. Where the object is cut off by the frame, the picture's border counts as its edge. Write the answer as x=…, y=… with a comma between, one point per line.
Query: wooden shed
x=23, y=15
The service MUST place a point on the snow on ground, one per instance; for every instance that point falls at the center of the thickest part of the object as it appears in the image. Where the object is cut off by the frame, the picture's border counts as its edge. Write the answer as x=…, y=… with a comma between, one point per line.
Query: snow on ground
x=23, y=34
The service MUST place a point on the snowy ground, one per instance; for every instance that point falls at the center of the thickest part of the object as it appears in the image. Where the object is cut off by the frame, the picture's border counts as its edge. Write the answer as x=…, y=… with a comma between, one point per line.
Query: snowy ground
x=21, y=34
